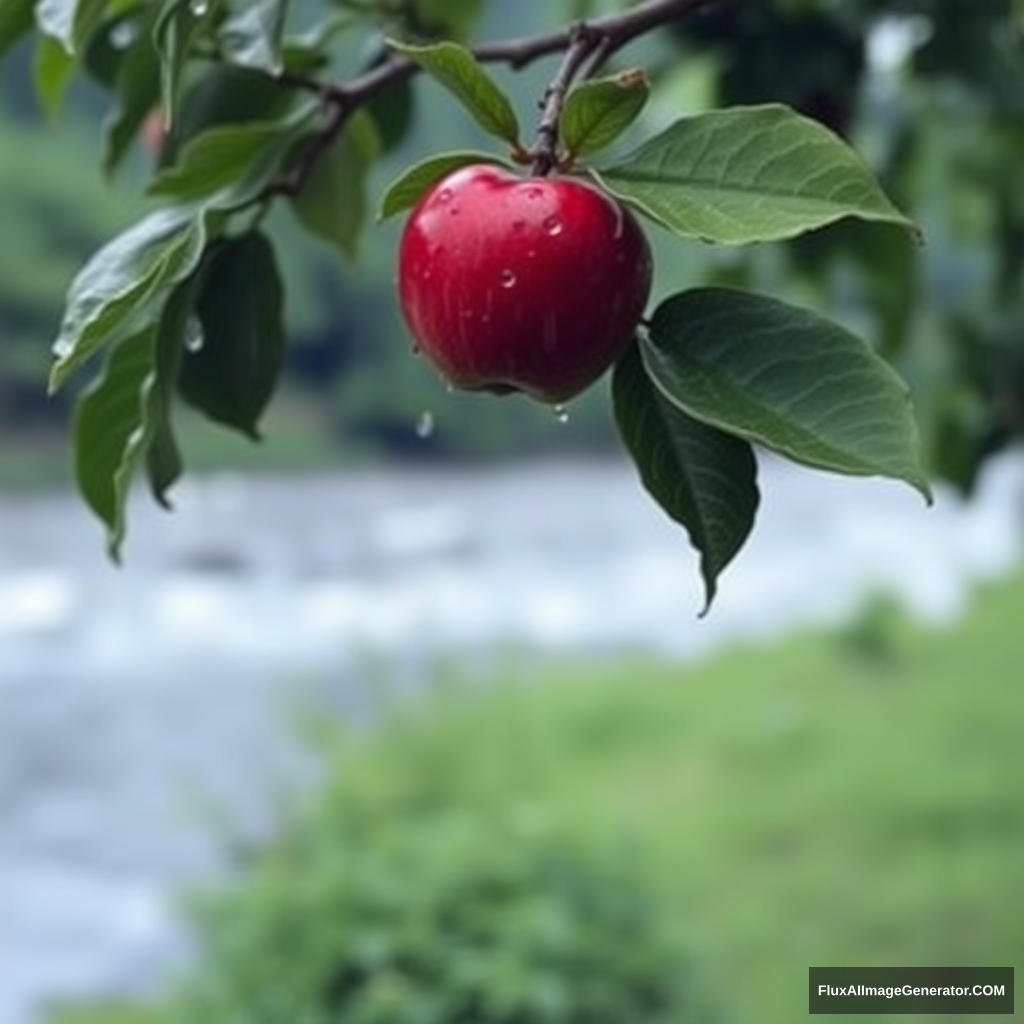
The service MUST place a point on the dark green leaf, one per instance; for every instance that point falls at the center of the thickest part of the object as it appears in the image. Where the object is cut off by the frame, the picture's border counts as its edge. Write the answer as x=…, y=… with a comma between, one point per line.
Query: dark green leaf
x=252, y=37
x=405, y=190
x=704, y=479
x=52, y=69
x=16, y=18
x=231, y=369
x=137, y=89
x=598, y=111
x=463, y=75
x=123, y=286
x=111, y=432
x=237, y=160
x=332, y=204
x=785, y=378
x=392, y=112
x=178, y=25
x=748, y=174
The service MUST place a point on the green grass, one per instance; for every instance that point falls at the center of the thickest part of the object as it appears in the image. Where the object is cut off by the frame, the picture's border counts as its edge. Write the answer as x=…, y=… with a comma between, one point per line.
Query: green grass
x=852, y=799
x=806, y=805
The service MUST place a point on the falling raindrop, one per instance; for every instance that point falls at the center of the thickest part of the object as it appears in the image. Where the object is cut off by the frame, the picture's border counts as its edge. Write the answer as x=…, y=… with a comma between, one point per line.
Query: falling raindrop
x=199, y=7
x=194, y=335
x=552, y=225
x=123, y=34
x=561, y=414
x=508, y=278
x=425, y=425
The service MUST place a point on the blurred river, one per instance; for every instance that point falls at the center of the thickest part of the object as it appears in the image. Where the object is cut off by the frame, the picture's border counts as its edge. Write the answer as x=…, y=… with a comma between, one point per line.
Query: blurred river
x=126, y=695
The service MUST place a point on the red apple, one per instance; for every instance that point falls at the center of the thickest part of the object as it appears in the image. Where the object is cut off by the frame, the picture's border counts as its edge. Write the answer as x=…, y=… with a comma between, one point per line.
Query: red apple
x=521, y=284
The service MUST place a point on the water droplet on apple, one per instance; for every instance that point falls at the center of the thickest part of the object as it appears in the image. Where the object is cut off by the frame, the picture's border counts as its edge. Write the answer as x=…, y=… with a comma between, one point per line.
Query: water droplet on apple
x=425, y=425
x=552, y=225
x=561, y=414
x=508, y=278
x=533, y=192
x=444, y=195
x=194, y=335
x=454, y=210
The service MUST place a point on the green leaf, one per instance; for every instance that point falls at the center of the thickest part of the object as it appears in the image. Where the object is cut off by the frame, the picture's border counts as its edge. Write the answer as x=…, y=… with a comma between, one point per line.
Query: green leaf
x=748, y=174
x=407, y=188
x=16, y=19
x=122, y=287
x=332, y=204
x=237, y=160
x=785, y=378
x=465, y=78
x=111, y=432
x=598, y=111
x=69, y=22
x=177, y=26
x=52, y=69
x=232, y=374
x=137, y=91
x=702, y=478
x=393, y=110
x=252, y=37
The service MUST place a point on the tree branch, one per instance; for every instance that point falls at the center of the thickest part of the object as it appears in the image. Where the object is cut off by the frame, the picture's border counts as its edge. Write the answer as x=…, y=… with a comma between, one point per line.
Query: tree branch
x=594, y=37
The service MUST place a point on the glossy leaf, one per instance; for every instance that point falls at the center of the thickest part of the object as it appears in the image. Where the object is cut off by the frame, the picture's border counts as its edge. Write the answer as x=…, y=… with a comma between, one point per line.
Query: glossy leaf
x=598, y=111
x=16, y=19
x=785, y=378
x=704, y=479
x=465, y=78
x=176, y=28
x=111, y=431
x=748, y=174
x=123, y=285
x=232, y=374
x=251, y=38
x=332, y=204
x=405, y=190
x=52, y=69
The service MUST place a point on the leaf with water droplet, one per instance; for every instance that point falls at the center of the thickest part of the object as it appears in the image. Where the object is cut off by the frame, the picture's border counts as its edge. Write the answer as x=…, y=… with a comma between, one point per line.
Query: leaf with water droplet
x=251, y=38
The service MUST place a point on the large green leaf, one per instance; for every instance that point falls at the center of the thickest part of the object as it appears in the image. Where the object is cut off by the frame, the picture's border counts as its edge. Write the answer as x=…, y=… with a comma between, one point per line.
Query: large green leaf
x=748, y=174
x=111, y=431
x=332, y=204
x=235, y=160
x=16, y=18
x=785, y=378
x=405, y=190
x=177, y=27
x=598, y=111
x=465, y=78
x=231, y=368
x=251, y=37
x=123, y=286
x=704, y=479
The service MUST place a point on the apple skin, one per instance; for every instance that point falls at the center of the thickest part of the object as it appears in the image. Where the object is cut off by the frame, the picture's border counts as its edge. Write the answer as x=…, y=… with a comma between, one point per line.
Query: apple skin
x=521, y=284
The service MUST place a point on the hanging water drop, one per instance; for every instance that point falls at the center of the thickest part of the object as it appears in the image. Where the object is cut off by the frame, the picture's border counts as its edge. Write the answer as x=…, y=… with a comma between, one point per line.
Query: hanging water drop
x=123, y=34
x=199, y=7
x=194, y=335
x=561, y=414
x=425, y=425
